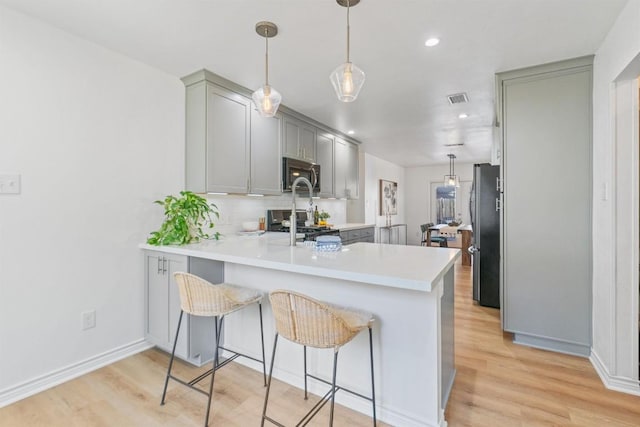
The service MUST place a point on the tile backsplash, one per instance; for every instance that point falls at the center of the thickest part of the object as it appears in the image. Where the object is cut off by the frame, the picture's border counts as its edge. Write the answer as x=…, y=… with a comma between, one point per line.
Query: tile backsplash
x=235, y=209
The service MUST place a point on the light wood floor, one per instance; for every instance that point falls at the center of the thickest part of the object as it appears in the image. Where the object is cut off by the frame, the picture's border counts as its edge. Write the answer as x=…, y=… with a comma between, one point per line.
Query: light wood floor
x=498, y=384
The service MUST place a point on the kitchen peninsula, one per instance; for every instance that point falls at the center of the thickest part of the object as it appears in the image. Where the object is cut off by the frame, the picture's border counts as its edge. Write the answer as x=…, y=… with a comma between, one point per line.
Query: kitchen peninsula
x=409, y=290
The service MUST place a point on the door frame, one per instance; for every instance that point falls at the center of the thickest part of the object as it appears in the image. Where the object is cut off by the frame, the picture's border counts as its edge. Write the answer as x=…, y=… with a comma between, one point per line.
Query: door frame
x=626, y=227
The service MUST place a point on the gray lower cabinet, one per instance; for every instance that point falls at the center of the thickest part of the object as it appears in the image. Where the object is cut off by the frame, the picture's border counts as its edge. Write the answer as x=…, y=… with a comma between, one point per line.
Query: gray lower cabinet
x=299, y=139
x=162, y=306
x=325, y=158
x=358, y=235
x=546, y=181
x=345, y=169
x=229, y=147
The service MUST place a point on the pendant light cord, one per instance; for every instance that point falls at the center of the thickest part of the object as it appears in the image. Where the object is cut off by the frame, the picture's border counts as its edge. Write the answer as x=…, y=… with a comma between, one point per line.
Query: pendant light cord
x=348, y=30
x=266, y=56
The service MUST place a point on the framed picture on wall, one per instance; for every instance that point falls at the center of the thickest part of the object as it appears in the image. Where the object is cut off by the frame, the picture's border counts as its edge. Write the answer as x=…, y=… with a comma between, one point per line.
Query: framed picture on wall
x=388, y=197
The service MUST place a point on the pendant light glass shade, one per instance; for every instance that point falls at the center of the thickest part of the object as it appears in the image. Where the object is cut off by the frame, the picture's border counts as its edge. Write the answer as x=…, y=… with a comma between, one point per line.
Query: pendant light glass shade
x=347, y=80
x=266, y=99
x=452, y=180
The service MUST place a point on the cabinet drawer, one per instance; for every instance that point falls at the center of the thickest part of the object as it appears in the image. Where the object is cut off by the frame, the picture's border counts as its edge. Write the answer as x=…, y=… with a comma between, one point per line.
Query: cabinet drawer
x=357, y=235
x=367, y=232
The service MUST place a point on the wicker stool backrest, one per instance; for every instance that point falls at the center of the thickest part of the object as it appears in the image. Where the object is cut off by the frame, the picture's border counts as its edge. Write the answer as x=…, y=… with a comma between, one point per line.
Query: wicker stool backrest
x=202, y=298
x=308, y=322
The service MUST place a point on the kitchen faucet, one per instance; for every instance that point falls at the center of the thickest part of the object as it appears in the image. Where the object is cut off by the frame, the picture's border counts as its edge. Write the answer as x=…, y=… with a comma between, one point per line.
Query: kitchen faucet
x=293, y=226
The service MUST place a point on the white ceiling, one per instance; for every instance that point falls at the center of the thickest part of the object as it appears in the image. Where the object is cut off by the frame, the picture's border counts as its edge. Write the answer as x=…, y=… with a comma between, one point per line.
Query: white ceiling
x=402, y=114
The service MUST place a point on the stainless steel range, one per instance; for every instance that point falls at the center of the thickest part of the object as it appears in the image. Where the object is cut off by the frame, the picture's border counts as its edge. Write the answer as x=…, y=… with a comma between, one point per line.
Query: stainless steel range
x=278, y=220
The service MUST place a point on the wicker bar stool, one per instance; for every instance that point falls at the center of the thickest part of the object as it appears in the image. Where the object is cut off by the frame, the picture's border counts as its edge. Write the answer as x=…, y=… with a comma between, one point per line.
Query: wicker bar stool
x=198, y=297
x=312, y=323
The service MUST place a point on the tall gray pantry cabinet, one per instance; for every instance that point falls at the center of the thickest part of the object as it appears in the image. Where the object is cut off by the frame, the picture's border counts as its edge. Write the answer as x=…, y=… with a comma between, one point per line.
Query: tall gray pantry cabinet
x=545, y=116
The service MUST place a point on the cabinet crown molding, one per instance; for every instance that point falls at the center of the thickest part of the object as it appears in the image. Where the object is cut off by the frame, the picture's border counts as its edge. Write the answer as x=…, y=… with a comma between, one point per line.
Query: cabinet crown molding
x=205, y=75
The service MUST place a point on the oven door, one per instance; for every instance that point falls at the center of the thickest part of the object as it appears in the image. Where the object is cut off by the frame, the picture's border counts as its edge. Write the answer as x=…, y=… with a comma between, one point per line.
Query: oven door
x=313, y=235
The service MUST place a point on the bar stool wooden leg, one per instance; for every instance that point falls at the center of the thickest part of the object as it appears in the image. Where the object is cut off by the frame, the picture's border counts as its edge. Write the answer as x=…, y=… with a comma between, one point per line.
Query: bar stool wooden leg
x=373, y=385
x=173, y=353
x=266, y=396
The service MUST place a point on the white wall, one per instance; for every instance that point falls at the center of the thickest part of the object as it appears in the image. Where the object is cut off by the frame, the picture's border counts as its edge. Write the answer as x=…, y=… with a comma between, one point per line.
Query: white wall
x=376, y=169
x=617, y=51
x=96, y=137
x=418, y=185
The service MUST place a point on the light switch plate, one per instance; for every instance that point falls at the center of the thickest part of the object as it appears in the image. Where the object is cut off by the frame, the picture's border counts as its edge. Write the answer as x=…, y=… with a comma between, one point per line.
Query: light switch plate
x=9, y=184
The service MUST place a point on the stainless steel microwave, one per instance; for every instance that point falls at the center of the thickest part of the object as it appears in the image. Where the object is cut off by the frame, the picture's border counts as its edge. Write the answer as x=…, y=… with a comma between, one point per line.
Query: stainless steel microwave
x=294, y=168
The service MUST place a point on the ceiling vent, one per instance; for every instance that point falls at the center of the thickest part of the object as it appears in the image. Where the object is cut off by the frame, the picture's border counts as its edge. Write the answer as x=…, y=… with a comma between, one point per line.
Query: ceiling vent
x=458, y=98
x=457, y=144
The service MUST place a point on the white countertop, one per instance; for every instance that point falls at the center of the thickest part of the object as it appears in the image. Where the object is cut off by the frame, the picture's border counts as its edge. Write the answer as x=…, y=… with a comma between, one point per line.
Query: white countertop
x=405, y=267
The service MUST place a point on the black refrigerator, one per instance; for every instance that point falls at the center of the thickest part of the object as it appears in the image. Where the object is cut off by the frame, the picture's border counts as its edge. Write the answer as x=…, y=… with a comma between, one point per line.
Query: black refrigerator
x=485, y=220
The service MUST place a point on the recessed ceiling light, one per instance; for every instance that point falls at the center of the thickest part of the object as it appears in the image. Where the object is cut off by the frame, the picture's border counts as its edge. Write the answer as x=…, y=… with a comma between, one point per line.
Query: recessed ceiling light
x=432, y=42
x=351, y=132
x=463, y=116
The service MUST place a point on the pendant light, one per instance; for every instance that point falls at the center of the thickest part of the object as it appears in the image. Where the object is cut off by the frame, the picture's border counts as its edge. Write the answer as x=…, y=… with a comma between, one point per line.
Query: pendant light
x=266, y=99
x=452, y=179
x=347, y=79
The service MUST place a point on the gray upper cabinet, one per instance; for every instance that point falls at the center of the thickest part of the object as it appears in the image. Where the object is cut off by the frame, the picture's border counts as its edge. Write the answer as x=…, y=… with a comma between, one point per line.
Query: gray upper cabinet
x=227, y=141
x=352, y=171
x=299, y=139
x=345, y=169
x=230, y=147
x=324, y=157
x=266, y=173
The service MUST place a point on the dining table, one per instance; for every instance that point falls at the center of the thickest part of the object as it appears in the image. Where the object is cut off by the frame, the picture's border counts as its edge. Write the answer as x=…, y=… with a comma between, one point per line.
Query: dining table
x=446, y=230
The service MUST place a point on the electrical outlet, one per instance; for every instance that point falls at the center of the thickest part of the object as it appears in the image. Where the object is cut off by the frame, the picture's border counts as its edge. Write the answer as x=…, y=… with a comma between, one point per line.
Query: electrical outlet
x=88, y=320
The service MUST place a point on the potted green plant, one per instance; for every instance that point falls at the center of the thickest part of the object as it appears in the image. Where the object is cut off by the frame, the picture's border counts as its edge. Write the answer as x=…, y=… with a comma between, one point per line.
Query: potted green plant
x=185, y=218
x=323, y=217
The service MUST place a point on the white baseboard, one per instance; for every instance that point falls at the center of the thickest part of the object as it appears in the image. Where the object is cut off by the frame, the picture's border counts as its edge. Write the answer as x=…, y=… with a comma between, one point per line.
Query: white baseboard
x=59, y=376
x=624, y=385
